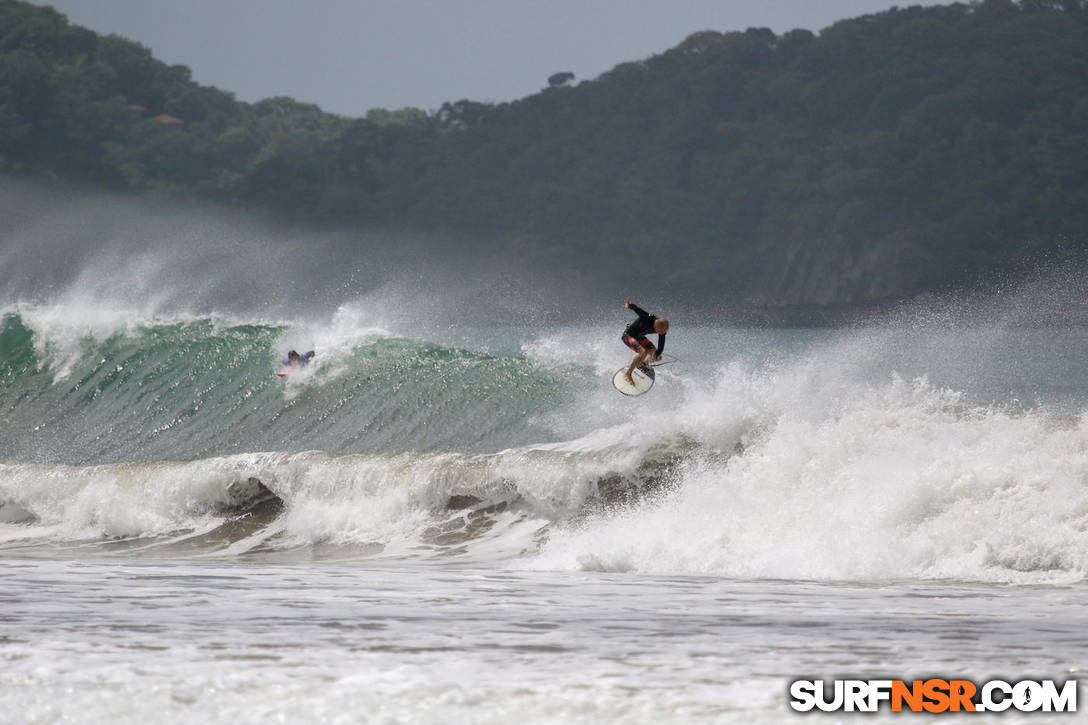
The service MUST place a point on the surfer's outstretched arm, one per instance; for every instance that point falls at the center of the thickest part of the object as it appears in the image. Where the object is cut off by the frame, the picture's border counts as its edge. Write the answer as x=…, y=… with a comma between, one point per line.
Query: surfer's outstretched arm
x=635, y=308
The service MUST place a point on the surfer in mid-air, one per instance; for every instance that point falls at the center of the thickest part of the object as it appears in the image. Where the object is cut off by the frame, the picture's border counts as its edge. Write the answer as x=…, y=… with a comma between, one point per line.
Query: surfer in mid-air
x=634, y=337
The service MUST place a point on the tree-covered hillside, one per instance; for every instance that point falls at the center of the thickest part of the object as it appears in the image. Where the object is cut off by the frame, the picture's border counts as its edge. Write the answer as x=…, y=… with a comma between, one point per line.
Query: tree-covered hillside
x=888, y=155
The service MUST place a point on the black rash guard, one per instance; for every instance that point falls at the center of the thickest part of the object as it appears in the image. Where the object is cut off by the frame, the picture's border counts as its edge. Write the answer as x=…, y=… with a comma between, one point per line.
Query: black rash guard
x=643, y=326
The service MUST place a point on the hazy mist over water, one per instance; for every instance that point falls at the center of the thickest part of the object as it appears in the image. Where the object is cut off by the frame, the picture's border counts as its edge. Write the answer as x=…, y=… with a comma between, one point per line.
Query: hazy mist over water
x=84, y=247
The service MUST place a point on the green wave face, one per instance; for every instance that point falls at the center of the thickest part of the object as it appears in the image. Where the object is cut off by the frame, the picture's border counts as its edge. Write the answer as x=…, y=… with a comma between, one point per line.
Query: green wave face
x=181, y=390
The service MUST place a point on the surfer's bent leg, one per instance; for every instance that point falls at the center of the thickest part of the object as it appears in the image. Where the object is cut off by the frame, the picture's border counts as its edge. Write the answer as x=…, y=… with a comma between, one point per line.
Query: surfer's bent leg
x=645, y=350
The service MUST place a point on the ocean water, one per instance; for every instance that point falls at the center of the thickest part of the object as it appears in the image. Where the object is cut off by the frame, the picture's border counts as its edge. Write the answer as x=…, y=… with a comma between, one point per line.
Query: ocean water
x=468, y=524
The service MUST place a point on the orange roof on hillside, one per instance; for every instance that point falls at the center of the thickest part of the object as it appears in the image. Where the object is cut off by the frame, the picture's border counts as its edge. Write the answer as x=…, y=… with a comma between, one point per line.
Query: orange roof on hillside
x=167, y=119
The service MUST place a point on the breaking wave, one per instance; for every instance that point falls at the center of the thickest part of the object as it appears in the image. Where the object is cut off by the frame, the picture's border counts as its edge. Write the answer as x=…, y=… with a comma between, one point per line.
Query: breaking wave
x=783, y=455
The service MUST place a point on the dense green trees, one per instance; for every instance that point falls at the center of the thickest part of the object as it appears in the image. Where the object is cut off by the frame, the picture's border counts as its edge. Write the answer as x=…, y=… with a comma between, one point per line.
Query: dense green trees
x=887, y=155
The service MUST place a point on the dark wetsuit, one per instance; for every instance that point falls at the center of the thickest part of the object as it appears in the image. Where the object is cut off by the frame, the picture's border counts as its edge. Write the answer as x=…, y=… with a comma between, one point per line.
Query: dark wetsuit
x=634, y=336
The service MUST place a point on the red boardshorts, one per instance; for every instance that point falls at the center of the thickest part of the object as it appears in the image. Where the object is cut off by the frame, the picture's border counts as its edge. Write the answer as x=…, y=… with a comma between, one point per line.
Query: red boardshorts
x=637, y=343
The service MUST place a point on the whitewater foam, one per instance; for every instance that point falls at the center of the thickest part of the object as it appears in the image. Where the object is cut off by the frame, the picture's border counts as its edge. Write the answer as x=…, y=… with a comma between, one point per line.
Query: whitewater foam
x=340, y=499
x=901, y=481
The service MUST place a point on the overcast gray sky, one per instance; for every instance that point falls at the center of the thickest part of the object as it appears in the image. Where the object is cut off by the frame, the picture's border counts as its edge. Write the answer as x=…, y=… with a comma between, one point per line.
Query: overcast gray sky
x=348, y=56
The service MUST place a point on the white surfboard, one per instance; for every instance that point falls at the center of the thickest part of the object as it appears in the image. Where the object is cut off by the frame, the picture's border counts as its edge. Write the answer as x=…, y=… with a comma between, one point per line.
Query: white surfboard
x=643, y=377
